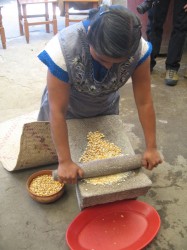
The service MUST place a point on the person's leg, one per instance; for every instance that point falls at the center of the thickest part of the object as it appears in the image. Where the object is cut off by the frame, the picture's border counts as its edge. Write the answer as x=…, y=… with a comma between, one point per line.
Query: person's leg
x=176, y=43
x=157, y=17
x=149, y=27
x=178, y=36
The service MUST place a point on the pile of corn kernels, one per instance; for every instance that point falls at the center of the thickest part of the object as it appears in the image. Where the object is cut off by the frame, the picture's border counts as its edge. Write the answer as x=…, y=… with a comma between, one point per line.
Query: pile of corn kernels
x=99, y=148
x=44, y=185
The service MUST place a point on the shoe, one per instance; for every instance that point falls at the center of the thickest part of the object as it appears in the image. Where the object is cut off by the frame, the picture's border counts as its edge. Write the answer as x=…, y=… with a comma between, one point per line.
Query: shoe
x=171, y=78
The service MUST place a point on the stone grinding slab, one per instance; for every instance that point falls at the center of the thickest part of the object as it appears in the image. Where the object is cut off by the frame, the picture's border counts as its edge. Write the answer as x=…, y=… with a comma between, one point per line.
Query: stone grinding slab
x=130, y=186
x=135, y=184
x=111, y=126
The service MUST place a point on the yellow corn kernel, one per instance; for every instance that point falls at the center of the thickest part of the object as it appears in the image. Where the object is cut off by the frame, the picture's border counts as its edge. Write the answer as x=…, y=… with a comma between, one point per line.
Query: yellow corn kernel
x=44, y=185
x=99, y=148
x=107, y=180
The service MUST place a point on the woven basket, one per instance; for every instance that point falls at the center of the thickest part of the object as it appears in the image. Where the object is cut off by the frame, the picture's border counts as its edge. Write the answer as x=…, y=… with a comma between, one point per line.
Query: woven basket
x=25, y=144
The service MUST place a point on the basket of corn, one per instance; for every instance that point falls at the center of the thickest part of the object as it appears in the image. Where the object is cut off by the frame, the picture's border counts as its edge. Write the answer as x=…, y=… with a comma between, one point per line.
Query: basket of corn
x=42, y=188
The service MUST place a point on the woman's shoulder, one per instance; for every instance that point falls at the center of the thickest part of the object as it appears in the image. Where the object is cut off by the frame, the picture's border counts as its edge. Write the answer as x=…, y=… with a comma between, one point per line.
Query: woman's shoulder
x=145, y=50
x=53, y=58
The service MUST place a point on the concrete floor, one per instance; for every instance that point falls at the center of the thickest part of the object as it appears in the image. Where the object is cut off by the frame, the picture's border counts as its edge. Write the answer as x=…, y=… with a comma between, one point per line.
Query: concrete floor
x=25, y=224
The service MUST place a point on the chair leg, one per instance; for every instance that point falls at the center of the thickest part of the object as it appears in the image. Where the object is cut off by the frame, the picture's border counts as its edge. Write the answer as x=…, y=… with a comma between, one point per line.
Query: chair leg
x=47, y=17
x=26, y=26
x=66, y=14
x=55, y=30
x=2, y=32
x=20, y=19
x=3, y=37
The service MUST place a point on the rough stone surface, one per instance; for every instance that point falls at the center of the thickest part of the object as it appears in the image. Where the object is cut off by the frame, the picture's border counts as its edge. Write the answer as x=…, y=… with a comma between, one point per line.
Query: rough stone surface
x=111, y=165
x=134, y=185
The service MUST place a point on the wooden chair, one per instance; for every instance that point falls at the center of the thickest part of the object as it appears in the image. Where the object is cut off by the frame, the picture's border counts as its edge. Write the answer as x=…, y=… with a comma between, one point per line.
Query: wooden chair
x=23, y=16
x=72, y=16
x=2, y=31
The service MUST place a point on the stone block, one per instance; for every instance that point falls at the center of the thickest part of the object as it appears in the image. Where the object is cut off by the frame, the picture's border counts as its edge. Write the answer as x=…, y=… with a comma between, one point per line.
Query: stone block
x=131, y=185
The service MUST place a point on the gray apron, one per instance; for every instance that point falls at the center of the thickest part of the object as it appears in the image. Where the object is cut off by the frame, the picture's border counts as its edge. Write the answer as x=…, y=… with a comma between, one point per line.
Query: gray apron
x=89, y=97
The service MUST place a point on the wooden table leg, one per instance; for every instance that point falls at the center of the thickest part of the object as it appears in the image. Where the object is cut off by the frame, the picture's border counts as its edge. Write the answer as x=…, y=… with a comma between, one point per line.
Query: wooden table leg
x=3, y=37
x=20, y=19
x=47, y=17
x=26, y=26
x=66, y=6
x=55, y=30
x=2, y=32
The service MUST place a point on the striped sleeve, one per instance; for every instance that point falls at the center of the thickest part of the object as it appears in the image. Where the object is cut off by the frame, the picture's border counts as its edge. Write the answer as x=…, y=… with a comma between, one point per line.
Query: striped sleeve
x=53, y=58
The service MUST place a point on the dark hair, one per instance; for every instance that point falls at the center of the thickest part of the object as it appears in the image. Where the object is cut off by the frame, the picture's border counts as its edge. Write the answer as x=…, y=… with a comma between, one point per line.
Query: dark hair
x=114, y=31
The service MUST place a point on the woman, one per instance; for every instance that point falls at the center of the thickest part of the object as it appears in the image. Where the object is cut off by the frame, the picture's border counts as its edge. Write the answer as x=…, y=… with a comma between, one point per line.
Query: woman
x=87, y=63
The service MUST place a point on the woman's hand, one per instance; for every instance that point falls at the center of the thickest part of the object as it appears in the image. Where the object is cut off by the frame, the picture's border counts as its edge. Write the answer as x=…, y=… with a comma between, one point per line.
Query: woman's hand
x=151, y=159
x=68, y=172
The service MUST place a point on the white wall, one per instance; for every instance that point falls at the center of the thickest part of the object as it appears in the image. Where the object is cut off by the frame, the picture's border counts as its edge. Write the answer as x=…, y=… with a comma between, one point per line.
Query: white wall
x=110, y=2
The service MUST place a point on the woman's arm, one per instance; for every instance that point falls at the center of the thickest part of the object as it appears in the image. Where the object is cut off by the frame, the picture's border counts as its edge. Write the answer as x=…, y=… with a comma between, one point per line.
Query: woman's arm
x=142, y=93
x=58, y=92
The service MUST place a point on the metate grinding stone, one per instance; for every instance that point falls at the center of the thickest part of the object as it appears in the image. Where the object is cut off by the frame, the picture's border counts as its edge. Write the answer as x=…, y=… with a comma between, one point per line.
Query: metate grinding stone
x=128, y=185
x=132, y=185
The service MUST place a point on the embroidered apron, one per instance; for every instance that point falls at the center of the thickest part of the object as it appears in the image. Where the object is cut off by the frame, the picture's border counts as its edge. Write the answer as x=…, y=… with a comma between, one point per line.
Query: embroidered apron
x=89, y=97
